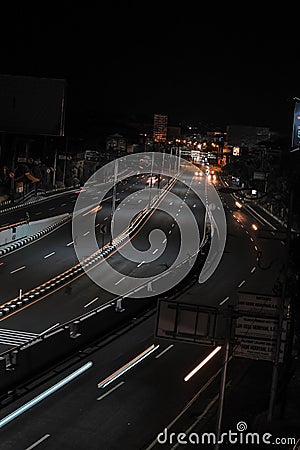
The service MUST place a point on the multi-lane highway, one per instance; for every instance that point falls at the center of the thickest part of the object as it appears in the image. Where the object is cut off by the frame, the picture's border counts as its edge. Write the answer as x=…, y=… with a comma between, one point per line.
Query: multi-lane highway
x=130, y=411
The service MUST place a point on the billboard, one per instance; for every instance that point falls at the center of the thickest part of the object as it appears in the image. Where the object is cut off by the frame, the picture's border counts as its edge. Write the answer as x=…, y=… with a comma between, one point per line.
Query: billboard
x=32, y=105
x=189, y=323
x=296, y=128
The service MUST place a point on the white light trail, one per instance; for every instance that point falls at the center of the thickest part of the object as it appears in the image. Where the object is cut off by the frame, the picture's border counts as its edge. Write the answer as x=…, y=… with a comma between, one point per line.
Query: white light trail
x=205, y=360
x=44, y=394
x=128, y=366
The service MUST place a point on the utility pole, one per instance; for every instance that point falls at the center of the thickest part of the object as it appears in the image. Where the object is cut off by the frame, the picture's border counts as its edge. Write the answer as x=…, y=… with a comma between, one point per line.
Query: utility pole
x=13, y=164
x=54, y=168
x=223, y=379
x=65, y=160
x=113, y=208
x=150, y=185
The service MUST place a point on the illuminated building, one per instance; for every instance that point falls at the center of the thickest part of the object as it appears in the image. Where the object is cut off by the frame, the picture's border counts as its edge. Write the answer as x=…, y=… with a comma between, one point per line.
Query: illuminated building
x=160, y=127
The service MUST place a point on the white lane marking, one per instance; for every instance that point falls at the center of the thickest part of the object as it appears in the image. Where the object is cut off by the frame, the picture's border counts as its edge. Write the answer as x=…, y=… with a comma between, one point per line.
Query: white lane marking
x=86, y=233
x=50, y=328
x=164, y=351
x=283, y=243
x=241, y=284
x=17, y=270
x=51, y=209
x=155, y=251
x=165, y=240
x=63, y=204
x=139, y=201
x=139, y=265
x=111, y=390
x=105, y=218
x=98, y=225
x=8, y=331
x=50, y=254
x=255, y=247
x=253, y=269
x=37, y=213
x=35, y=444
x=70, y=243
x=88, y=304
x=223, y=301
x=15, y=337
x=122, y=279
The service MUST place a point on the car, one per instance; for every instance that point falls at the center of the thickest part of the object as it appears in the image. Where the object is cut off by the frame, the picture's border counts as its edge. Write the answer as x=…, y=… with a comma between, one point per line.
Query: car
x=152, y=180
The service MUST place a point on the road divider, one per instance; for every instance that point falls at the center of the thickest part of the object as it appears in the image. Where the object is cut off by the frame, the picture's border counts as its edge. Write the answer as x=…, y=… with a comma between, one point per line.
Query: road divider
x=56, y=223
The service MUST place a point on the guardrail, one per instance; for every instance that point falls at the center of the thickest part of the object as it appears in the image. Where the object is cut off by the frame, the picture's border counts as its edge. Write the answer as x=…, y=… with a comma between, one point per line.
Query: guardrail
x=40, y=196
x=22, y=363
x=73, y=272
x=25, y=364
x=27, y=240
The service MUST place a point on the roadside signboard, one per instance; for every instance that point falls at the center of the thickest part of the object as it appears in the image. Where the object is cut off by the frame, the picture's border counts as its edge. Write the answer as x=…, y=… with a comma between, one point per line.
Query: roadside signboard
x=257, y=327
x=296, y=125
x=258, y=303
x=189, y=323
x=91, y=155
x=258, y=349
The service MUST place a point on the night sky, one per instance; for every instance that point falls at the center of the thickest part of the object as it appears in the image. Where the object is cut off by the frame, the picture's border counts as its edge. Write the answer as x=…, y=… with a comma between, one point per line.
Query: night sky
x=129, y=60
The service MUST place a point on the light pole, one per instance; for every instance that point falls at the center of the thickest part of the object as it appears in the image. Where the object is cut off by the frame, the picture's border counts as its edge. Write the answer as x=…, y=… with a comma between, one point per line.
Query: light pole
x=113, y=208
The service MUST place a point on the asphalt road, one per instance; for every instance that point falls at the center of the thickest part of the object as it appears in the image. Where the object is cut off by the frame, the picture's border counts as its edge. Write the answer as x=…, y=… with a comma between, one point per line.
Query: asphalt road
x=53, y=254
x=131, y=411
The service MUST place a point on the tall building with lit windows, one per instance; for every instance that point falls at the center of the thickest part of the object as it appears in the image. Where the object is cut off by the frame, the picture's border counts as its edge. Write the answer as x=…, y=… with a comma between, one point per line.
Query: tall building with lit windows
x=160, y=127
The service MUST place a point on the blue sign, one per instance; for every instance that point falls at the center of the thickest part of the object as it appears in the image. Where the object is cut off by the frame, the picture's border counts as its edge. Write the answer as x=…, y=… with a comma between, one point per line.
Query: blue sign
x=296, y=129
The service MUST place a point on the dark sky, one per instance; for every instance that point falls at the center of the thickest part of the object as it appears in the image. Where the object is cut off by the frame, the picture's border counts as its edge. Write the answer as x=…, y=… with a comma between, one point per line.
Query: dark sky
x=132, y=59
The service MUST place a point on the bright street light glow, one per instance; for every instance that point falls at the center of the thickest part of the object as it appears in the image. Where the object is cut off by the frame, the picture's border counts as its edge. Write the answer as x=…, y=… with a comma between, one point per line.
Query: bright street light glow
x=255, y=227
x=205, y=360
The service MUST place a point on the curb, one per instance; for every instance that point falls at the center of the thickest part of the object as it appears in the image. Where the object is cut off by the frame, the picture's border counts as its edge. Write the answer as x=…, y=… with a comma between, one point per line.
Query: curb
x=24, y=241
